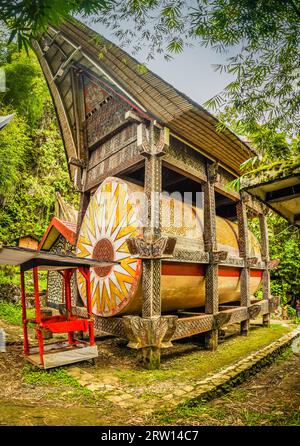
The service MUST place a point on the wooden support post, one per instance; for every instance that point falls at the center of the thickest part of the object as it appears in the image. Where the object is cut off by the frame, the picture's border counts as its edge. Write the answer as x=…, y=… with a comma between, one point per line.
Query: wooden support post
x=24, y=314
x=265, y=258
x=244, y=253
x=87, y=276
x=84, y=202
x=151, y=307
x=152, y=268
x=210, y=245
x=38, y=318
x=67, y=279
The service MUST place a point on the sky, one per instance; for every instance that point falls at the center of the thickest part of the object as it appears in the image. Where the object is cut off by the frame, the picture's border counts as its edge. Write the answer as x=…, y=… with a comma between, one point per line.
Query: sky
x=191, y=72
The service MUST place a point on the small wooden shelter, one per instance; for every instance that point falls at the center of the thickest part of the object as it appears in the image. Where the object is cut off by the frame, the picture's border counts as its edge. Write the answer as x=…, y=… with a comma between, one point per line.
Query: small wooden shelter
x=64, y=352
x=279, y=188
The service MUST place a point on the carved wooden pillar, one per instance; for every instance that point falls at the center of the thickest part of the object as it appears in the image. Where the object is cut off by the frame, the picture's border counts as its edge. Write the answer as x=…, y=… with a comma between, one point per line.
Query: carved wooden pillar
x=265, y=258
x=151, y=280
x=244, y=253
x=210, y=246
x=152, y=268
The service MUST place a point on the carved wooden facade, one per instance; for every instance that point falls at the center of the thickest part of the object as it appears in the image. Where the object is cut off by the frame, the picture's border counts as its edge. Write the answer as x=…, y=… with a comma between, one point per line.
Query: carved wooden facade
x=116, y=121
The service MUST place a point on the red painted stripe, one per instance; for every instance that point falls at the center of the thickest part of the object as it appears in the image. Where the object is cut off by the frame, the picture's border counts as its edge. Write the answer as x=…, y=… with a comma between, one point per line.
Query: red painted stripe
x=182, y=269
x=196, y=269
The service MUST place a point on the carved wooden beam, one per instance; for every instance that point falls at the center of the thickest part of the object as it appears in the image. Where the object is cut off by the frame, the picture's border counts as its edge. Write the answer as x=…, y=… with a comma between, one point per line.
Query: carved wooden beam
x=221, y=319
x=76, y=162
x=218, y=256
x=253, y=311
x=252, y=261
x=149, y=332
x=272, y=264
x=146, y=148
x=159, y=249
x=212, y=172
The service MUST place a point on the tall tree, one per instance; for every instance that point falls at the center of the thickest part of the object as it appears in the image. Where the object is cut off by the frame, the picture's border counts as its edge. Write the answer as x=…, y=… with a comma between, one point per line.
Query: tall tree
x=26, y=18
x=263, y=35
x=32, y=159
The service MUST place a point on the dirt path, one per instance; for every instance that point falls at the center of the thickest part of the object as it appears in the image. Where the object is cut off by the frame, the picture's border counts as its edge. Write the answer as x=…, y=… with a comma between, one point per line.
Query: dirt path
x=58, y=397
x=271, y=397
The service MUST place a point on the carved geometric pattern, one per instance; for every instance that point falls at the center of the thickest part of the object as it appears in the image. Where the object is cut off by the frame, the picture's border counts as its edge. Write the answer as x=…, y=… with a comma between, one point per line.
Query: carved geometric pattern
x=113, y=326
x=210, y=239
x=182, y=157
x=210, y=242
x=55, y=281
x=193, y=325
x=212, y=172
x=182, y=255
x=149, y=332
x=211, y=288
x=151, y=279
x=253, y=311
x=252, y=261
x=218, y=256
x=241, y=211
x=221, y=319
x=160, y=248
x=151, y=288
x=147, y=148
x=238, y=315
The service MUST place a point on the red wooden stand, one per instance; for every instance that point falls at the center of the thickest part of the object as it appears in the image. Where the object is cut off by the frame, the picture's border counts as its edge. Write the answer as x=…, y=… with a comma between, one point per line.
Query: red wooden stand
x=62, y=353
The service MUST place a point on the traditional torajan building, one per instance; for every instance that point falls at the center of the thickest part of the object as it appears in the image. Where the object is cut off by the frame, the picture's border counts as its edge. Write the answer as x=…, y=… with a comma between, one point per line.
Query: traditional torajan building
x=125, y=130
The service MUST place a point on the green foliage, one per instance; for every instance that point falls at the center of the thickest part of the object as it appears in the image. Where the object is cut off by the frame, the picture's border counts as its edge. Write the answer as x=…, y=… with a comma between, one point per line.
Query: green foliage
x=284, y=242
x=31, y=151
x=53, y=377
x=33, y=166
x=12, y=313
x=26, y=90
x=26, y=19
x=263, y=37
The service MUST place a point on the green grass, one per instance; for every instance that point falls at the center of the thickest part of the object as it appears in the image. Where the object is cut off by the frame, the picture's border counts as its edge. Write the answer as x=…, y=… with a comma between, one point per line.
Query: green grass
x=200, y=363
x=12, y=313
x=52, y=377
x=203, y=413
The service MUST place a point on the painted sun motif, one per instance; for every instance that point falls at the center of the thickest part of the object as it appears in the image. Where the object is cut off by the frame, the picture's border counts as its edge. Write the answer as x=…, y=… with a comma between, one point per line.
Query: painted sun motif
x=109, y=221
